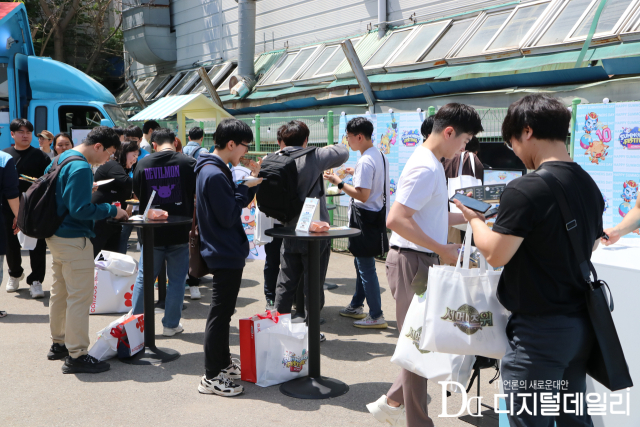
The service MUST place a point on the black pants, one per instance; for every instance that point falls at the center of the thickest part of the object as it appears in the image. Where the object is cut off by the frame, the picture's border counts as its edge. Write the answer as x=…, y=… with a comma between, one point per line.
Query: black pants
x=294, y=267
x=37, y=257
x=107, y=237
x=547, y=354
x=193, y=281
x=226, y=285
x=272, y=267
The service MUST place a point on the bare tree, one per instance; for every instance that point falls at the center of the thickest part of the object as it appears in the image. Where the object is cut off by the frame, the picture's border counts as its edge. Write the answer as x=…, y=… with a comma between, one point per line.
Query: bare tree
x=59, y=13
x=96, y=14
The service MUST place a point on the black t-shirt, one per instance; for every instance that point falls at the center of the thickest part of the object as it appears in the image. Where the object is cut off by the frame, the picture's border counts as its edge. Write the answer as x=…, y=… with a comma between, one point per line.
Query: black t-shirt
x=172, y=175
x=30, y=162
x=543, y=276
x=118, y=190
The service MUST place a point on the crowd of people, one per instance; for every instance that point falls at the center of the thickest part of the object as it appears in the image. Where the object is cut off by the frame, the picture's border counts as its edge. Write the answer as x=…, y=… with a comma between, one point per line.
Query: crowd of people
x=540, y=283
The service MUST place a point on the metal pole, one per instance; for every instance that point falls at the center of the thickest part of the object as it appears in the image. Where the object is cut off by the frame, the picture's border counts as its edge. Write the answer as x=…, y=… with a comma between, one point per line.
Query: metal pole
x=330, y=142
x=431, y=111
x=136, y=93
x=202, y=72
x=592, y=30
x=574, y=115
x=257, y=132
x=358, y=70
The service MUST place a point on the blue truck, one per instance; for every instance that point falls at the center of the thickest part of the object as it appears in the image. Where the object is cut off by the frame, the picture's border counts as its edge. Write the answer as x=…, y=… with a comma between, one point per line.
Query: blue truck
x=50, y=94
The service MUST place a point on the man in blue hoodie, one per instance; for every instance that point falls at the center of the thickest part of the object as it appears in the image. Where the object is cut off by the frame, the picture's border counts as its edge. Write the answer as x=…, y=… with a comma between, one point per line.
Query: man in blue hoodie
x=72, y=252
x=224, y=247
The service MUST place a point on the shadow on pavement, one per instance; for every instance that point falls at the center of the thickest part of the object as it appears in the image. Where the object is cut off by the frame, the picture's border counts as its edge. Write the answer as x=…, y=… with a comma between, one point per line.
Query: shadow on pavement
x=25, y=318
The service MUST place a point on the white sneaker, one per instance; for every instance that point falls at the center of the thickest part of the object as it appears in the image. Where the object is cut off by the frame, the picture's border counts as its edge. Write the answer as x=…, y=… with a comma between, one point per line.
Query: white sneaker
x=370, y=323
x=169, y=332
x=14, y=283
x=384, y=413
x=220, y=385
x=194, y=292
x=36, y=290
x=233, y=371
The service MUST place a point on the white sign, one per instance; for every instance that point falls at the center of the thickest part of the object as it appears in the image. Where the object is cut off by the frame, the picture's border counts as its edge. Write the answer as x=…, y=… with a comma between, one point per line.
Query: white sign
x=146, y=211
x=79, y=135
x=309, y=213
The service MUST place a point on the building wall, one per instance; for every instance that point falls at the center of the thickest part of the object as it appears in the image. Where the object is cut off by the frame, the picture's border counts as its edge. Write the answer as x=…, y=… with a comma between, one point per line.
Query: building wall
x=208, y=29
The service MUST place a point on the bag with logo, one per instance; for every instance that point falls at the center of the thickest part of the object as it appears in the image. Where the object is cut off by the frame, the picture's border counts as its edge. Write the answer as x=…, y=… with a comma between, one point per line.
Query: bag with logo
x=433, y=366
x=111, y=293
x=127, y=327
x=463, y=314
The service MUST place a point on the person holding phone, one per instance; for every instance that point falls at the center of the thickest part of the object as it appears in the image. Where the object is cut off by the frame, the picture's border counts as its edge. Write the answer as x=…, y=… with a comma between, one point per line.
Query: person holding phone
x=629, y=223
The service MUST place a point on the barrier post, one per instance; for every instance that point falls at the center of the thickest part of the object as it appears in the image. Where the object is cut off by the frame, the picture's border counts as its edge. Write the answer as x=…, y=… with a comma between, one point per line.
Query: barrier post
x=257, y=132
x=574, y=114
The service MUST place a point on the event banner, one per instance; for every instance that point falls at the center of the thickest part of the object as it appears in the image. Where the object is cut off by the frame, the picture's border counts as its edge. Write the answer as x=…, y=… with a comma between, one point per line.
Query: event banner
x=395, y=134
x=248, y=217
x=607, y=145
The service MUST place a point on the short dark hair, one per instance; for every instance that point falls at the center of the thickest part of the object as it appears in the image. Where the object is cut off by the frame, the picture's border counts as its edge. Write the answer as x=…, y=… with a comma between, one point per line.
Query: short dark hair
x=103, y=135
x=473, y=146
x=58, y=136
x=149, y=125
x=133, y=131
x=295, y=133
x=461, y=117
x=360, y=126
x=232, y=130
x=125, y=148
x=279, y=133
x=547, y=117
x=196, y=133
x=163, y=136
x=16, y=124
x=118, y=130
x=427, y=127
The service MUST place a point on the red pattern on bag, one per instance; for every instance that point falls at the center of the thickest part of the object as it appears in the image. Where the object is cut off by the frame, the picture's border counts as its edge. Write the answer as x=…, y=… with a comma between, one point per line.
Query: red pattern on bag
x=119, y=333
x=140, y=324
x=128, y=296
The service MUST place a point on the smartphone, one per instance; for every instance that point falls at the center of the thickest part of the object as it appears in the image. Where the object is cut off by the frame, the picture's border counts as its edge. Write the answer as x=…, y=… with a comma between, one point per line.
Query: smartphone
x=605, y=236
x=472, y=204
x=243, y=180
x=491, y=212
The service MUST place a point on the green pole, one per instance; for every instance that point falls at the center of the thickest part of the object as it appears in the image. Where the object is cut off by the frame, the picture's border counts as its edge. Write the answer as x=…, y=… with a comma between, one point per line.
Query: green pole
x=330, y=142
x=574, y=114
x=592, y=30
x=431, y=111
x=257, y=132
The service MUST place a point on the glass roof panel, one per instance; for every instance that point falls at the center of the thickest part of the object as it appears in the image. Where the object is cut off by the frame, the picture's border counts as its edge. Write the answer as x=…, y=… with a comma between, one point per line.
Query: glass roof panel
x=478, y=41
x=125, y=94
x=561, y=26
x=412, y=51
x=518, y=26
x=388, y=48
x=212, y=73
x=298, y=62
x=283, y=64
x=187, y=80
x=447, y=41
x=322, y=58
x=151, y=87
x=611, y=13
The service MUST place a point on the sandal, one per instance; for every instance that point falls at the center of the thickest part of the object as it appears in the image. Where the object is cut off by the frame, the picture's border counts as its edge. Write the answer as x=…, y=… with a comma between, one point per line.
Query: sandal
x=3, y=314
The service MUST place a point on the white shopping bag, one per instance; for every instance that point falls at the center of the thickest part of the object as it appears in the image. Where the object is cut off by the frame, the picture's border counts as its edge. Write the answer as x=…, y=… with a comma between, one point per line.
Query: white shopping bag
x=111, y=293
x=433, y=366
x=117, y=263
x=281, y=350
x=462, y=181
x=106, y=346
x=27, y=243
x=263, y=223
x=463, y=314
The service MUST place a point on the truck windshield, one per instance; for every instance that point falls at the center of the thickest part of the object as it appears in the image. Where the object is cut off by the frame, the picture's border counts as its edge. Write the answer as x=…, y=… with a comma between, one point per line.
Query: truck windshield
x=117, y=115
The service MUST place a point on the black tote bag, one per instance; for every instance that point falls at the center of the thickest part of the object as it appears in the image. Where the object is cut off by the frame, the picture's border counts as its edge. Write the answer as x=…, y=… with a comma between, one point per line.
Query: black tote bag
x=606, y=363
x=373, y=241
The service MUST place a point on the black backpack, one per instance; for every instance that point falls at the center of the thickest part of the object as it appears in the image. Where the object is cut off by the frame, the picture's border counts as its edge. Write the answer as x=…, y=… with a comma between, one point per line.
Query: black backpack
x=37, y=215
x=278, y=194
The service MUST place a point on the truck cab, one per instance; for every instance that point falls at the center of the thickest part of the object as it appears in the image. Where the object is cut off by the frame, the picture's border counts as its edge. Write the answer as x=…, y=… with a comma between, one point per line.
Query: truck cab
x=50, y=94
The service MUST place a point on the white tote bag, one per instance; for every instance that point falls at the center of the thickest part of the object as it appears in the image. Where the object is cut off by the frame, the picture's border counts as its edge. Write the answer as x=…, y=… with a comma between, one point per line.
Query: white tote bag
x=27, y=243
x=464, y=315
x=117, y=263
x=263, y=223
x=111, y=293
x=433, y=366
x=462, y=181
x=282, y=351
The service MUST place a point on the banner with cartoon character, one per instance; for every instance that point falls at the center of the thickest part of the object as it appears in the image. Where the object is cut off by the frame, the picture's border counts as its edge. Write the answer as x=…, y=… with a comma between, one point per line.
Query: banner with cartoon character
x=248, y=217
x=595, y=126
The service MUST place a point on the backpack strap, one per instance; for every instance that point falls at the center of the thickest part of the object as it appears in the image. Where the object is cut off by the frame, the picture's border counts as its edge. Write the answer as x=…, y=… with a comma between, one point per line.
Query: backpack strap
x=297, y=153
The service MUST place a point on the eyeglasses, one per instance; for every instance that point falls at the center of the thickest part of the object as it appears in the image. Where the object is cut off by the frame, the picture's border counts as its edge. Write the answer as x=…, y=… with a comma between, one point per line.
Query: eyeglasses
x=244, y=145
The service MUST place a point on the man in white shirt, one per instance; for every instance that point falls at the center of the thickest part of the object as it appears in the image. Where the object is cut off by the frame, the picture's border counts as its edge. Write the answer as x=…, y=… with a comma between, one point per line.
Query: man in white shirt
x=370, y=183
x=419, y=220
x=147, y=129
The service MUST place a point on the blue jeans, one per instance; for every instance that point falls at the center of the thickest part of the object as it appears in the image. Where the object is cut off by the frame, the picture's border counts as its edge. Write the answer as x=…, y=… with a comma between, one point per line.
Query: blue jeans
x=124, y=238
x=367, y=286
x=177, y=257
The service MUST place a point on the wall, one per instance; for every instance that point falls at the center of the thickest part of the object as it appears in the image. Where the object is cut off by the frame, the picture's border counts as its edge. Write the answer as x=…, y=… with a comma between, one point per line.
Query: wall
x=208, y=29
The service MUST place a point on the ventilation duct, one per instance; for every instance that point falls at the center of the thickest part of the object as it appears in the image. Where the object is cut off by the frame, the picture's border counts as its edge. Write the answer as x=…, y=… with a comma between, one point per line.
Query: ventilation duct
x=247, y=47
x=147, y=32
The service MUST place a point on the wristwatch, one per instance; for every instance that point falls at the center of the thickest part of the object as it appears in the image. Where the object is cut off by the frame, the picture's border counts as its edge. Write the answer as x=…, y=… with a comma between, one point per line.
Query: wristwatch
x=340, y=185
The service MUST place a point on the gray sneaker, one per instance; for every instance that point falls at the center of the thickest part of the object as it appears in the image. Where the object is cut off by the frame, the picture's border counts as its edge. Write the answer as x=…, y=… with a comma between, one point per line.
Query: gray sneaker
x=270, y=305
x=353, y=312
x=371, y=323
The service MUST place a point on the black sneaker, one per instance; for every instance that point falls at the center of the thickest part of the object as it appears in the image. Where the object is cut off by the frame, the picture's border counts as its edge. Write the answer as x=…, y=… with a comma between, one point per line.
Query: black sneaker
x=57, y=352
x=270, y=305
x=84, y=365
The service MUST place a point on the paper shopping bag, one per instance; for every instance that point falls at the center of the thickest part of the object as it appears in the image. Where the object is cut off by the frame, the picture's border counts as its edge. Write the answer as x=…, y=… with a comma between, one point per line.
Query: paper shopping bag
x=134, y=328
x=27, y=243
x=248, y=346
x=117, y=263
x=431, y=365
x=263, y=223
x=111, y=293
x=106, y=345
x=463, y=314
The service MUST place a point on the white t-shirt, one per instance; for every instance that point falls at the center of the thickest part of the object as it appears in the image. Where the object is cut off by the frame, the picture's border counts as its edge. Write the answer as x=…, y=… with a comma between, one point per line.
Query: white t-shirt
x=369, y=174
x=145, y=144
x=423, y=187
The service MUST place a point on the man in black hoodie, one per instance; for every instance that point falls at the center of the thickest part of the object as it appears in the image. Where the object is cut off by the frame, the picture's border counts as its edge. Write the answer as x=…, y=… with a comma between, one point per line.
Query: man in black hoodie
x=224, y=247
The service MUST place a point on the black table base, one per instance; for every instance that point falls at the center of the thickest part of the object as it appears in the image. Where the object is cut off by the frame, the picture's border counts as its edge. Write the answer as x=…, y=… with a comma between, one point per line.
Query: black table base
x=314, y=388
x=150, y=356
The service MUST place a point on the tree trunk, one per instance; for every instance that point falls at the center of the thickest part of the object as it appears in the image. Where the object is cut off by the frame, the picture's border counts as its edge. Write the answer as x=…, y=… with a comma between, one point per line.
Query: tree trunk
x=58, y=44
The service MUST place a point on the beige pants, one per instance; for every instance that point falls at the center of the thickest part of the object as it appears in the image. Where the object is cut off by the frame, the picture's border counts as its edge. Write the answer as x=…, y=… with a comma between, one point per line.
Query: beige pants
x=71, y=292
x=409, y=389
